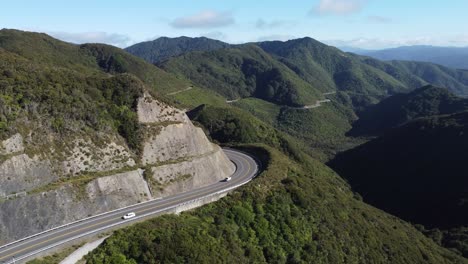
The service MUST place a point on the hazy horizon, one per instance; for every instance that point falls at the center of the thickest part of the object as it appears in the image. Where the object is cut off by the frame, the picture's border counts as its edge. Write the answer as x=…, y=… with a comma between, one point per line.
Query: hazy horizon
x=364, y=24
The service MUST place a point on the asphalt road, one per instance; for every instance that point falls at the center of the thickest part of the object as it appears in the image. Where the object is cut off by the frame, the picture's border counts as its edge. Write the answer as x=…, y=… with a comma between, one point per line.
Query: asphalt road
x=246, y=170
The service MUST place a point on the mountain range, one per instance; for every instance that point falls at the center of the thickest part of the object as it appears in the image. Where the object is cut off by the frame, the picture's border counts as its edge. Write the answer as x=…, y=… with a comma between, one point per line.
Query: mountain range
x=163, y=48
x=274, y=79
x=453, y=57
x=364, y=97
x=323, y=67
x=416, y=171
x=289, y=104
x=402, y=108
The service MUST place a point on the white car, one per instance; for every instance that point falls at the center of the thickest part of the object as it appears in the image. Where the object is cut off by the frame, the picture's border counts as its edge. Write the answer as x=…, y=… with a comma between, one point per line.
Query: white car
x=128, y=216
x=227, y=179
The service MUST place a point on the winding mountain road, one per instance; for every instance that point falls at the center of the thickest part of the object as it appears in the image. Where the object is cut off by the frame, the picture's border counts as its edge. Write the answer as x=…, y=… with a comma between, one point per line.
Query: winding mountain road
x=19, y=251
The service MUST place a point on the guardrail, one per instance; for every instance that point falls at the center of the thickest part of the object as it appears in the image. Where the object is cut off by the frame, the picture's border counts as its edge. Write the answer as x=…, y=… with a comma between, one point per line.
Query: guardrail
x=108, y=212
x=74, y=222
x=226, y=190
x=116, y=224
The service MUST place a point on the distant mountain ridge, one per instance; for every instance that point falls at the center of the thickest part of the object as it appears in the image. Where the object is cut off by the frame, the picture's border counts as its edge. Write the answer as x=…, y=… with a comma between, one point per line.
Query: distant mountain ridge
x=324, y=67
x=454, y=57
x=243, y=71
x=163, y=48
x=275, y=79
x=87, y=103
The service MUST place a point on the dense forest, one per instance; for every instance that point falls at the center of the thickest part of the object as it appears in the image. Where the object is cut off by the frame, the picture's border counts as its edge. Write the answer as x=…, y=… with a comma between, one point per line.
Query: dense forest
x=415, y=171
x=297, y=210
x=401, y=108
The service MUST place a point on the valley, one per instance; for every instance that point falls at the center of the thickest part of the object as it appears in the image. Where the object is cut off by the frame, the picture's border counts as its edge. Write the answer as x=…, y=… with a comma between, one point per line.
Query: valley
x=91, y=132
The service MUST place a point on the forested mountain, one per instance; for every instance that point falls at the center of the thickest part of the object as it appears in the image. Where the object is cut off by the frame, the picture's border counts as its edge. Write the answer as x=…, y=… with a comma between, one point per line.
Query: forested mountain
x=325, y=67
x=455, y=80
x=416, y=171
x=78, y=125
x=415, y=168
x=241, y=72
x=452, y=57
x=362, y=75
x=163, y=48
x=62, y=73
x=297, y=210
x=333, y=69
x=273, y=79
x=43, y=49
x=358, y=83
x=401, y=108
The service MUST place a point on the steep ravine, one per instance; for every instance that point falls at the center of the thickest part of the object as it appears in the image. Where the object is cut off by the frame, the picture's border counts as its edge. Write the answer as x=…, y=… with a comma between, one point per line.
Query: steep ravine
x=88, y=175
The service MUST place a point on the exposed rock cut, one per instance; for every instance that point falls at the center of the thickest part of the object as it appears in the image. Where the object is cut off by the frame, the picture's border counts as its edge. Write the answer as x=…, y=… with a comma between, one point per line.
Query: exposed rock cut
x=81, y=175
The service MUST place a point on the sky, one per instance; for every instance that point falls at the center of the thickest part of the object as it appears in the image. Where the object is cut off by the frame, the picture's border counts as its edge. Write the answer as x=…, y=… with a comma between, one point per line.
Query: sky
x=366, y=24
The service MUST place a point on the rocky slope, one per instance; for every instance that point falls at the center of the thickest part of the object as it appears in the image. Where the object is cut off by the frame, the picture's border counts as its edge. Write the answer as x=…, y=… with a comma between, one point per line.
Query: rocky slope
x=176, y=157
x=81, y=134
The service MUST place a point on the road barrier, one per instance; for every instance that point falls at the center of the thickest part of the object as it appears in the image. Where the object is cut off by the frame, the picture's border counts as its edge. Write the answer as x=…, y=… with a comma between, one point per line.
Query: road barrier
x=170, y=208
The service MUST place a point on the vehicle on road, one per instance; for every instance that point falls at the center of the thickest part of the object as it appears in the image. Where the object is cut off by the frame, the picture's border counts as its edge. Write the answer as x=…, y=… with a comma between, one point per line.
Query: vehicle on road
x=128, y=216
x=59, y=236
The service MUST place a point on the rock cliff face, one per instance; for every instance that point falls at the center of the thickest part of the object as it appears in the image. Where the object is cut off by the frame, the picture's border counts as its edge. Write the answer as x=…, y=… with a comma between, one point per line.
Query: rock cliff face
x=85, y=175
x=197, y=171
x=177, y=155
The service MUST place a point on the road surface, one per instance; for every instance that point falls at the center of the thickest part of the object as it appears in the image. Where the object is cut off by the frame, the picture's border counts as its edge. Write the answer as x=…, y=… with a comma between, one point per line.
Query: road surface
x=177, y=92
x=18, y=251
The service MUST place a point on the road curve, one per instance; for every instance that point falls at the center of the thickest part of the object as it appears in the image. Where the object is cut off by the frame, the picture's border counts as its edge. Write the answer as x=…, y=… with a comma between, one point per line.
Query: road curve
x=18, y=251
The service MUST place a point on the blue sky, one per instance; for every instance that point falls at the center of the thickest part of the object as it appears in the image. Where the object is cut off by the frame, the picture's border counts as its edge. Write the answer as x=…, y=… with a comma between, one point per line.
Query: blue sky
x=369, y=24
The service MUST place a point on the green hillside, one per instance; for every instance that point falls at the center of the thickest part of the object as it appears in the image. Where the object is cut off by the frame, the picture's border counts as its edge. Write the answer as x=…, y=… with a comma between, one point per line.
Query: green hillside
x=64, y=89
x=294, y=212
x=161, y=49
x=301, y=72
x=416, y=171
x=401, y=108
x=455, y=80
x=333, y=69
x=241, y=72
x=297, y=211
x=362, y=77
x=86, y=59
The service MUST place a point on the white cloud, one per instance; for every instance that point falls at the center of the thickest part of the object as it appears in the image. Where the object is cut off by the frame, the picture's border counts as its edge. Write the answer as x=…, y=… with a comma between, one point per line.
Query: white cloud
x=262, y=24
x=380, y=43
x=204, y=19
x=114, y=39
x=275, y=37
x=338, y=7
